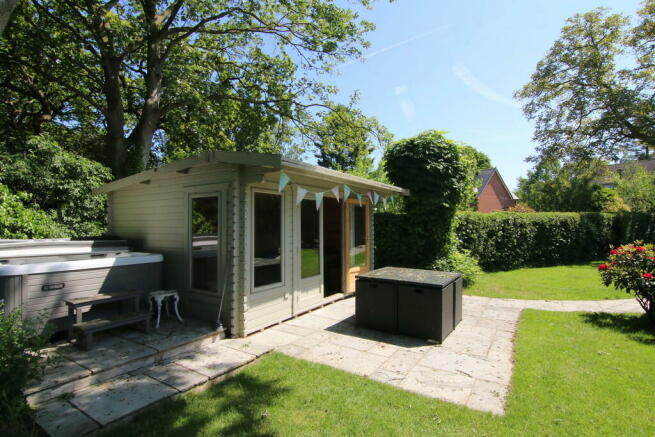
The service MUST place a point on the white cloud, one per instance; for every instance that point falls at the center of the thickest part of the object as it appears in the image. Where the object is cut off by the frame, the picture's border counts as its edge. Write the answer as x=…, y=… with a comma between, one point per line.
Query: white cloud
x=400, y=43
x=477, y=86
x=407, y=107
x=399, y=90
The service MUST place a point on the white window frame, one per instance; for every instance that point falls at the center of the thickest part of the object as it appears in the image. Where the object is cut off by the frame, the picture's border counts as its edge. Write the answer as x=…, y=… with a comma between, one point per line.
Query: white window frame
x=219, y=246
x=274, y=285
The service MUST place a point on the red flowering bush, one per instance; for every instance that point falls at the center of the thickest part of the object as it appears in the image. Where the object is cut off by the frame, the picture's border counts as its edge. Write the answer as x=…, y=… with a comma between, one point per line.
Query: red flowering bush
x=631, y=267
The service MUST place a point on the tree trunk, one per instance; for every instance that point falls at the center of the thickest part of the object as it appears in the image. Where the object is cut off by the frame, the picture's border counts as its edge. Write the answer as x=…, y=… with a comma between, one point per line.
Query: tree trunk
x=6, y=8
x=142, y=135
x=115, y=117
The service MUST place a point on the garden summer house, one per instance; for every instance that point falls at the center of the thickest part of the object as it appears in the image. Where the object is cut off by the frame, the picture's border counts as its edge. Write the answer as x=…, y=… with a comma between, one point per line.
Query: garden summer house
x=255, y=237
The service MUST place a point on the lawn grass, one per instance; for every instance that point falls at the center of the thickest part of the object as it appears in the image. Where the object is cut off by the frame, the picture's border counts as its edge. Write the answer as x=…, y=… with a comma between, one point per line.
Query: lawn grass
x=575, y=374
x=571, y=282
x=310, y=263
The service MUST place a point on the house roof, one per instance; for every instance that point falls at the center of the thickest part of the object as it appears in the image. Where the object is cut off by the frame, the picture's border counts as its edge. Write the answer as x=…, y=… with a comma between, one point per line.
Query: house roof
x=648, y=164
x=274, y=162
x=605, y=176
x=484, y=177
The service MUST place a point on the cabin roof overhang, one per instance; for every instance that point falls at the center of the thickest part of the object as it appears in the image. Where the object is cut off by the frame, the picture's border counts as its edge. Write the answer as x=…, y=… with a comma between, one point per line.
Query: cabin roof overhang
x=266, y=161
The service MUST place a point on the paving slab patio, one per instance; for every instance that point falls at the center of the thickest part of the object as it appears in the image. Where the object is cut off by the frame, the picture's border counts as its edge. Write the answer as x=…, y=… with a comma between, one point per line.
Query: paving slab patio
x=473, y=366
x=129, y=371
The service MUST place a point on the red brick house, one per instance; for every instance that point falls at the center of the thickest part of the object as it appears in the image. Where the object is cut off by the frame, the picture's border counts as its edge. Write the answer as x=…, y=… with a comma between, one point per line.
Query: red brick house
x=493, y=194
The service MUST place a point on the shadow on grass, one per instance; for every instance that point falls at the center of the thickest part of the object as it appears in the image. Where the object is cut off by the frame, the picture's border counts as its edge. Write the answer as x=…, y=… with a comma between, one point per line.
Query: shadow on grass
x=637, y=327
x=237, y=406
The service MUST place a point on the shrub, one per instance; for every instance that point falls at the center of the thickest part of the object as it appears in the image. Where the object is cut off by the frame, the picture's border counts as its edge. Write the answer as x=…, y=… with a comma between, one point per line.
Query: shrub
x=20, y=221
x=59, y=183
x=429, y=165
x=505, y=241
x=461, y=261
x=21, y=362
x=520, y=207
x=632, y=268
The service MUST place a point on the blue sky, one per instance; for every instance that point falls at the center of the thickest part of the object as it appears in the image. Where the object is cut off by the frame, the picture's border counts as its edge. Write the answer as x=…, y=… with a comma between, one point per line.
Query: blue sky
x=454, y=66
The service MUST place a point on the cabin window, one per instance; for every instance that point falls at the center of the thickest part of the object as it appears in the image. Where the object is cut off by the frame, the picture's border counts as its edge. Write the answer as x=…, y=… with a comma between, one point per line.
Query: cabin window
x=310, y=239
x=204, y=243
x=268, y=239
x=357, y=235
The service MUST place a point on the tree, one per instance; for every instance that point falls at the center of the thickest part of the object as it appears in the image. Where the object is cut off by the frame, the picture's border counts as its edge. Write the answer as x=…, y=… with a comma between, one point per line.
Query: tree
x=429, y=165
x=18, y=221
x=474, y=161
x=60, y=183
x=637, y=187
x=553, y=186
x=344, y=139
x=165, y=70
x=480, y=159
x=593, y=94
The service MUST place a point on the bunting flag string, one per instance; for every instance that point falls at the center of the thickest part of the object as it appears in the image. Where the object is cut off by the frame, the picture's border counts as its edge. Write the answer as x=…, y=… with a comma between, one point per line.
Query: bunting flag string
x=373, y=196
x=300, y=195
x=284, y=180
x=319, y=199
x=335, y=191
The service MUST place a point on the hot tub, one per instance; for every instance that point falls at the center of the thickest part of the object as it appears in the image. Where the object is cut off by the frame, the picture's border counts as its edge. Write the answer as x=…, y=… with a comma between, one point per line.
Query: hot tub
x=41, y=274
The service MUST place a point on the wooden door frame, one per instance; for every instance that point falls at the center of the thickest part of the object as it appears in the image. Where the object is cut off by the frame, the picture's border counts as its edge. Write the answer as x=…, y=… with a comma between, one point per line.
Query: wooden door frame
x=297, y=253
x=347, y=270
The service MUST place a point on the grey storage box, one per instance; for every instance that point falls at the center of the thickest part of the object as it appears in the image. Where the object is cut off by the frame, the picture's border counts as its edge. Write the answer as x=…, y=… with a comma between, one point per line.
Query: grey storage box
x=419, y=303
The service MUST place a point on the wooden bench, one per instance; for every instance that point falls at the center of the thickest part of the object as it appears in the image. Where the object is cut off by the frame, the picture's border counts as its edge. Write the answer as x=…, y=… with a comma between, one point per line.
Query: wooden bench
x=84, y=330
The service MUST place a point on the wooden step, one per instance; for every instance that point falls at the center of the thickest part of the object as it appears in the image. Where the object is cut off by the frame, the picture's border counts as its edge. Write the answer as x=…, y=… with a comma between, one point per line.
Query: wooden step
x=111, y=322
x=103, y=298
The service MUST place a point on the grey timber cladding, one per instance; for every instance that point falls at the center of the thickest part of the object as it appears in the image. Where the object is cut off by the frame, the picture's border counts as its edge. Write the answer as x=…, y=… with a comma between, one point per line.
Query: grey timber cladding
x=154, y=216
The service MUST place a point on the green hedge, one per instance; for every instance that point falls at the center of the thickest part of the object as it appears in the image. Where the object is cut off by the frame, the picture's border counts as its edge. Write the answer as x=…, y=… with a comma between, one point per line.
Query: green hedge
x=504, y=241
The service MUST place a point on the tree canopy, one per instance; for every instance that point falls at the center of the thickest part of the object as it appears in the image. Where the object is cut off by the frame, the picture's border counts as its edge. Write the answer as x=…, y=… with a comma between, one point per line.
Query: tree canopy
x=344, y=139
x=474, y=161
x=593, y=94
x=636, y=187
x=129, y=83
x=572, y=187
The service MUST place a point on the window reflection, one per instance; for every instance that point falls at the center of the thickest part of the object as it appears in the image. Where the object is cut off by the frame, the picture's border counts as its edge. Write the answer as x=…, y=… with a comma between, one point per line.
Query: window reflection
x=204, y=243
x=310, y=243
x=268, y=239
x=357, y=235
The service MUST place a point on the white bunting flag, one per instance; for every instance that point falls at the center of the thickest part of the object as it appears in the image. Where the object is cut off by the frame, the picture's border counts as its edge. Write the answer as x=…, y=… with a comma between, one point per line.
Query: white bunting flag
x=359, y=198
x=384, y=202
x=300, y=195
x=370, y=197
x=284, y=180
x=319, y=199
x=335, y=191
x=346, y=192
x=376, y=198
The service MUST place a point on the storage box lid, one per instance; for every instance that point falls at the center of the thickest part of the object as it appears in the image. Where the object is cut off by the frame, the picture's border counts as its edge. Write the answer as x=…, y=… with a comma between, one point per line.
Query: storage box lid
x=401, y=275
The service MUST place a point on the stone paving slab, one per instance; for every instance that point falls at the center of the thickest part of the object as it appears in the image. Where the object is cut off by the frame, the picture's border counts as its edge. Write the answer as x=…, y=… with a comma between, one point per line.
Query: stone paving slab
x=107, y=352
x=215, y=360
x=110, y=401
x=59, y=371
x=61, y=419
x=176, y=376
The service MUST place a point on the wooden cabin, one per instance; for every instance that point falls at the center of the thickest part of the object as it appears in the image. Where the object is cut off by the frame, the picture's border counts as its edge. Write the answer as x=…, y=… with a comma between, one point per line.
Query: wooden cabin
x=258, y=237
